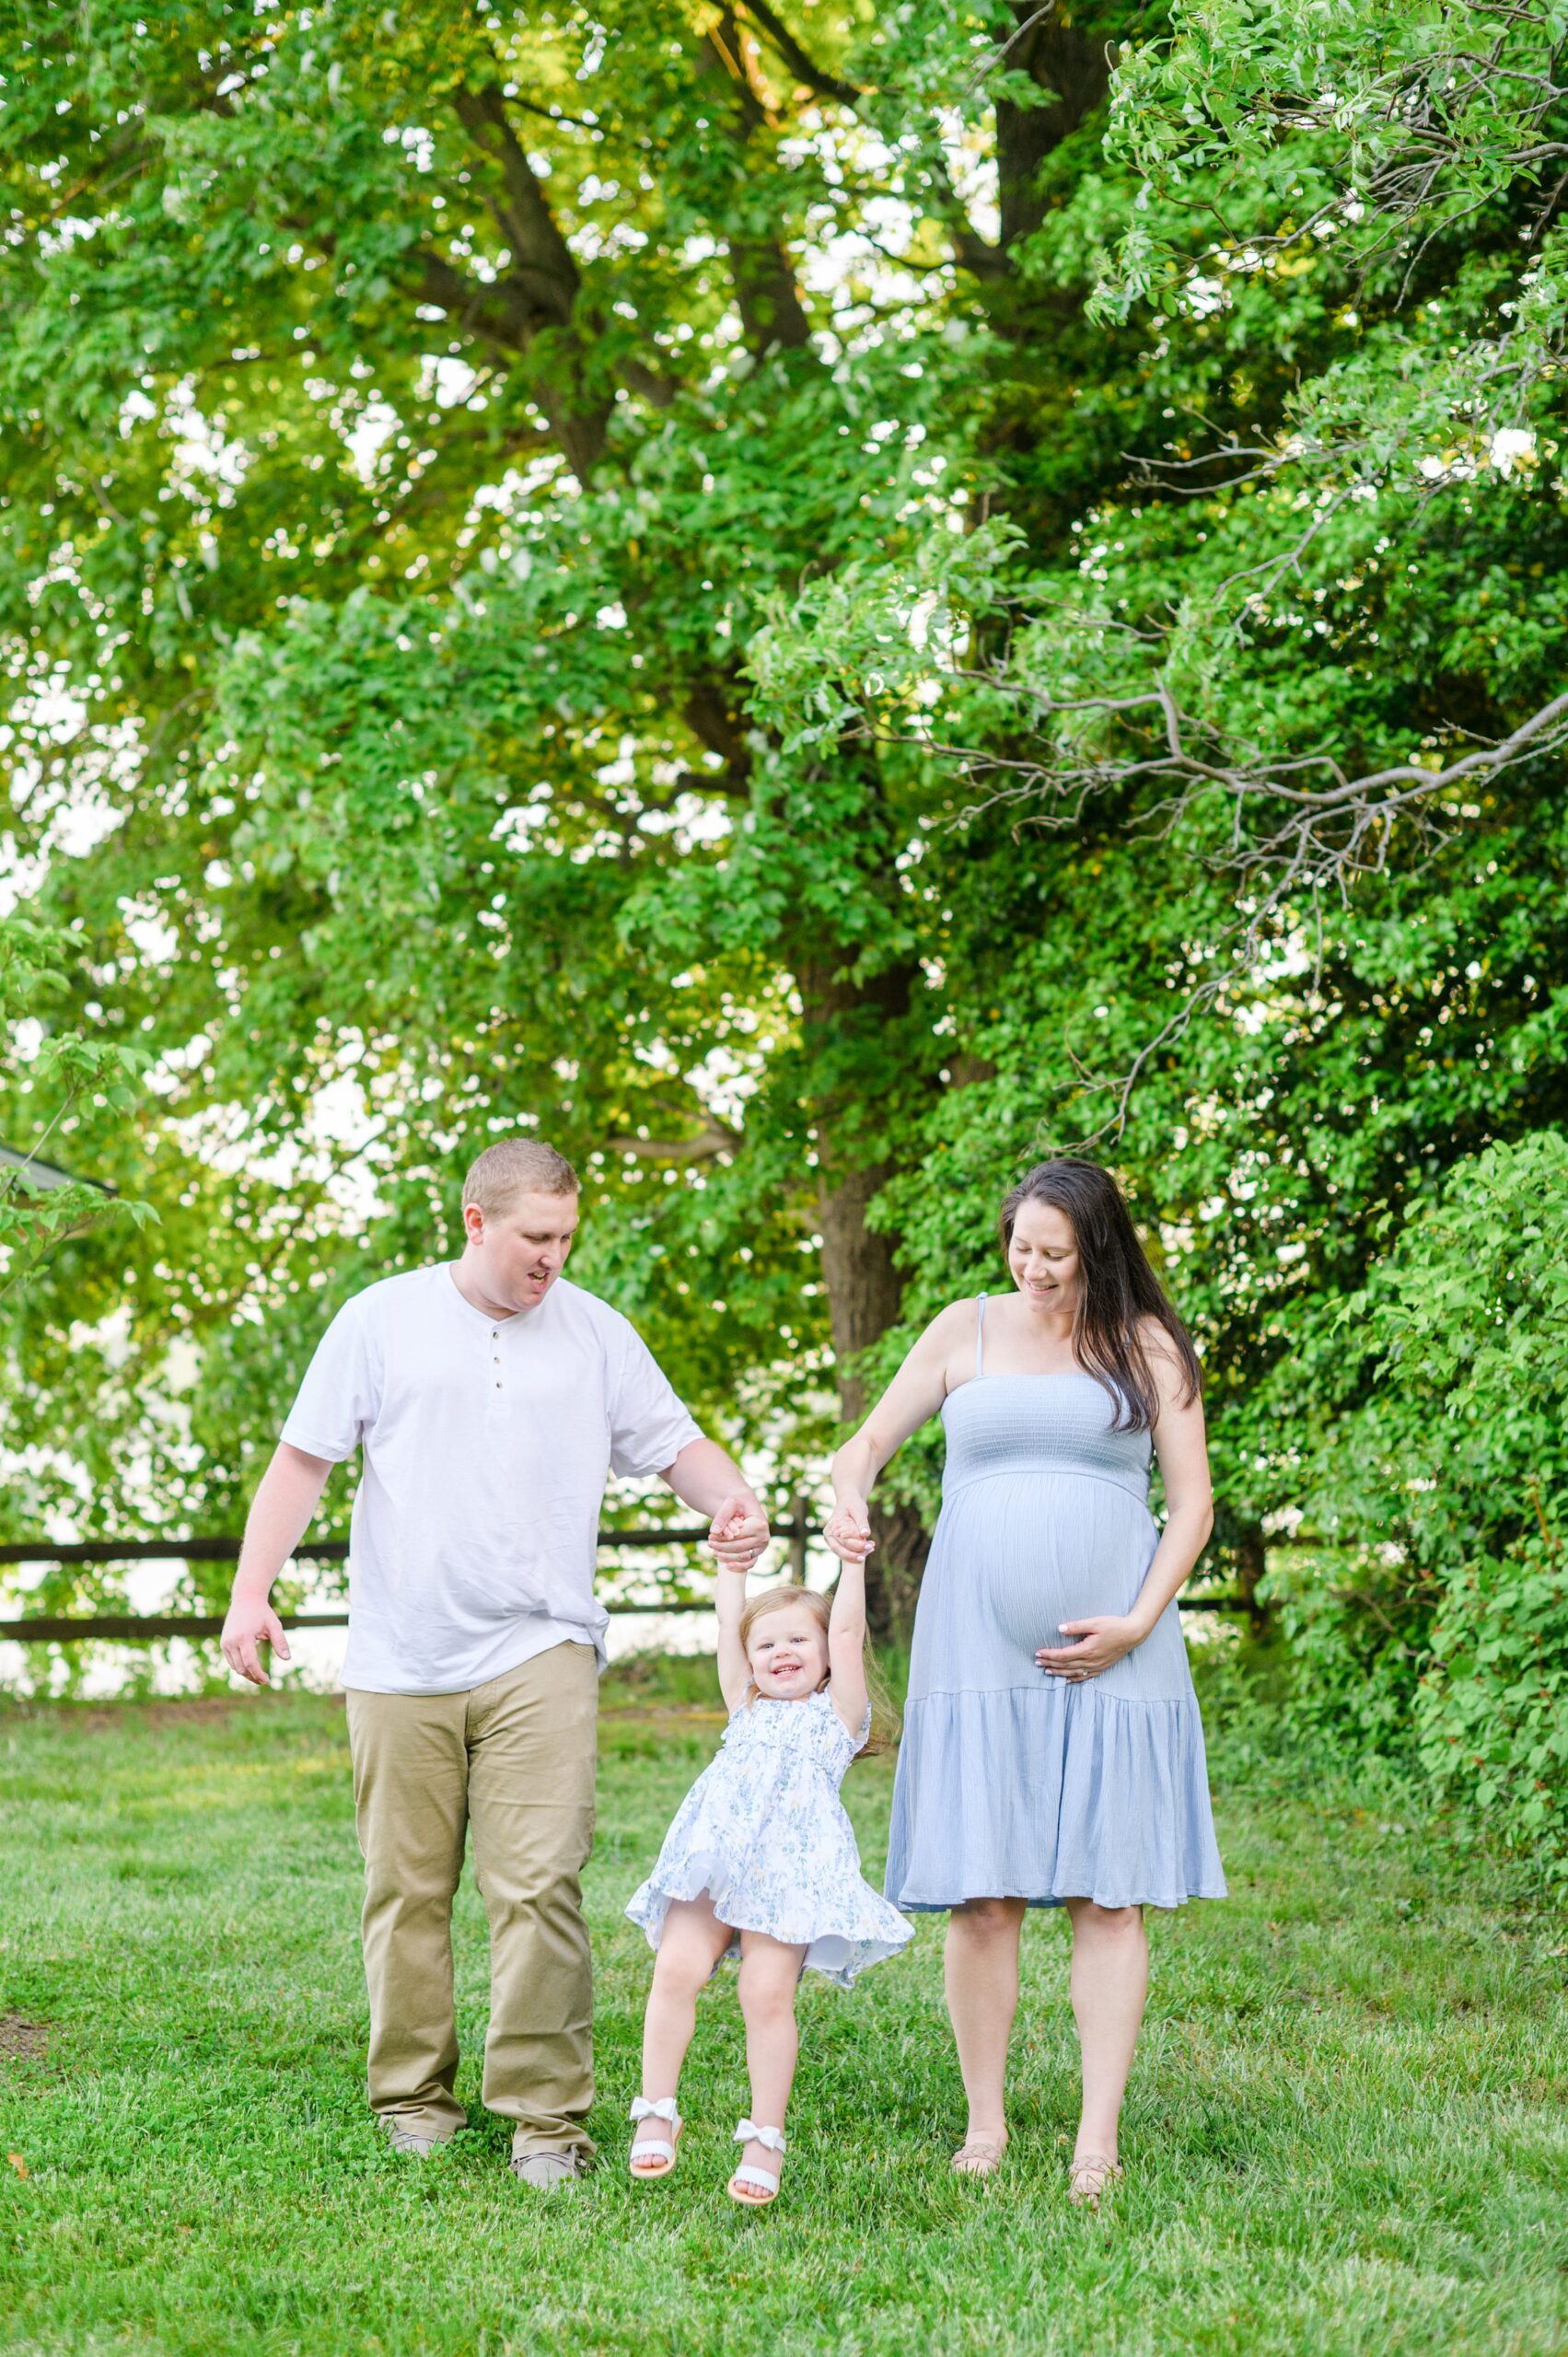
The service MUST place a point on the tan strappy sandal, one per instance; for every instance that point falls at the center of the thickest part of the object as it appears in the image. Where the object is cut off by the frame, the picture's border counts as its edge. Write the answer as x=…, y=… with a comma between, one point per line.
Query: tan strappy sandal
x=1087, y=2178
x=980, y=2155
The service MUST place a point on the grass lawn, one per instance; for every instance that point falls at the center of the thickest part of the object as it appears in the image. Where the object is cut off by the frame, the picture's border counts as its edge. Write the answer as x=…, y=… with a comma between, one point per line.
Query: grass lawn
x=1347, y=2130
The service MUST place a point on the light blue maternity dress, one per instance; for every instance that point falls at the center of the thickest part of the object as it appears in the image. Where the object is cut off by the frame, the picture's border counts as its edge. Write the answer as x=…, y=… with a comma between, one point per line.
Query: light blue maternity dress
x=1013, y=1783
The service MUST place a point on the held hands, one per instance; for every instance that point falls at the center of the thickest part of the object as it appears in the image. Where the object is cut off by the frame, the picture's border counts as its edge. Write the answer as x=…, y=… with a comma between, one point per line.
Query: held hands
x=848, y=1530
x=1101, y=1642
x=738, y=1535
x=251, y=1624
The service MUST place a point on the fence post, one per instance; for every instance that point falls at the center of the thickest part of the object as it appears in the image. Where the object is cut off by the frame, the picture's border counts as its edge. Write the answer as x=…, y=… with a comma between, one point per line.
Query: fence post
x=797, y=1539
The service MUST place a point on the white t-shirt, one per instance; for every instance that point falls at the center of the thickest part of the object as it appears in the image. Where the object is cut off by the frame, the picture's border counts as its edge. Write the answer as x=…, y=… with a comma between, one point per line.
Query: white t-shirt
x=487, y=1446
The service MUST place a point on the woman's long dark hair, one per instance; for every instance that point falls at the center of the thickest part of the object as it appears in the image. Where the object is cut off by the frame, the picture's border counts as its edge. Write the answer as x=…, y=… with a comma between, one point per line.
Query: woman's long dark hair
x=1116, y=1286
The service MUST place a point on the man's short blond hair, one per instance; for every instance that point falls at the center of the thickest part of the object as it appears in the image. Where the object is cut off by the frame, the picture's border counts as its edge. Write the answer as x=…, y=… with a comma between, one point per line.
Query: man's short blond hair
x=514, y=1167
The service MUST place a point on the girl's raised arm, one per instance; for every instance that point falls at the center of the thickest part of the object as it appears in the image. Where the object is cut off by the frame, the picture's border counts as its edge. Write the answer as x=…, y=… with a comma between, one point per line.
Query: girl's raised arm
x=846, y=1647
x=734, y=1673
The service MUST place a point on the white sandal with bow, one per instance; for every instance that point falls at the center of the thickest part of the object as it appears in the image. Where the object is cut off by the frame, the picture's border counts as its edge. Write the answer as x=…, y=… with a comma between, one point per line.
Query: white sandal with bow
x=764, y=2182
x=654, y=2157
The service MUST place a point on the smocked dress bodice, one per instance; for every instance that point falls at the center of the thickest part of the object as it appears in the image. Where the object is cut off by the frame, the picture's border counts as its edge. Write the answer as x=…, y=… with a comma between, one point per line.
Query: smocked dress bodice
x=1016, y=1427
x=809, y=1734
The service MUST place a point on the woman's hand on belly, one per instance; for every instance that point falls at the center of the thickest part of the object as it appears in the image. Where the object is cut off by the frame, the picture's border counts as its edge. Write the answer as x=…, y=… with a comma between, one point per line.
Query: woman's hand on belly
x=1100, y=1643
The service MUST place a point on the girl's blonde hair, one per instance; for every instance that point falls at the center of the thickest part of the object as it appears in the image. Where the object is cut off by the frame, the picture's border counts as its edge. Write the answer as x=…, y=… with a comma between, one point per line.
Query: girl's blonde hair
x=885, y=1730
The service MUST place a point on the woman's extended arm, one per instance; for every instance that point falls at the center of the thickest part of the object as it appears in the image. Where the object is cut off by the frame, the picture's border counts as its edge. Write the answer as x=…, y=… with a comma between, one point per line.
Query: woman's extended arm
x=1183, y=1455
x=915, y=1393
x=846, y=1646
x=735, y=1674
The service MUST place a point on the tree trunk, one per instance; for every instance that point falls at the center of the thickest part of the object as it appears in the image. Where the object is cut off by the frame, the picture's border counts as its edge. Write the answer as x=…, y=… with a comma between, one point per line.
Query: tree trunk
x=848, y=1028
x=1072, y=66
x=1251, y=1562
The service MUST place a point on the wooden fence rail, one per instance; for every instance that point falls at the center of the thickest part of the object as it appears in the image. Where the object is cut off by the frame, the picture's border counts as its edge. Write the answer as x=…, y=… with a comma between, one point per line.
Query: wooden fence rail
x=137, y=1626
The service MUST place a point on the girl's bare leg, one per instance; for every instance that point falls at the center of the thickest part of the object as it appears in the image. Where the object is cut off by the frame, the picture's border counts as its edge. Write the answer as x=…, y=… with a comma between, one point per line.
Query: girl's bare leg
x=770, y=1975
x=1110, y=1984
x=690, y=1946
x=981, y=1965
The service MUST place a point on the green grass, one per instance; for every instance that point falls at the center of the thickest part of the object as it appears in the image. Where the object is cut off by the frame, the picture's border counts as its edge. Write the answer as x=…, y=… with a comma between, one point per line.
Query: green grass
x=1346, y=2132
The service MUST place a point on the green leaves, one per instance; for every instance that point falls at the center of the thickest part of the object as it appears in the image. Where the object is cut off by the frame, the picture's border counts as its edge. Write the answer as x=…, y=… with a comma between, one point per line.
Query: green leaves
x=1456, y=1465
x=49, y=1079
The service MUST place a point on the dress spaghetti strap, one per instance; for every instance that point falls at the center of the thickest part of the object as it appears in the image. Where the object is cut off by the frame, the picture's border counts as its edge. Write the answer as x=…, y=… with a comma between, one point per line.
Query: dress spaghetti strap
x=979, y=1336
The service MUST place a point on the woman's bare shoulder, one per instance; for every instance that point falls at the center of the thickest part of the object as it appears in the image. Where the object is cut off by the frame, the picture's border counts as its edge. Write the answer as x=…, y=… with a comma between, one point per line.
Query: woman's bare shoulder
x=958, y=1318
x=951, y=1331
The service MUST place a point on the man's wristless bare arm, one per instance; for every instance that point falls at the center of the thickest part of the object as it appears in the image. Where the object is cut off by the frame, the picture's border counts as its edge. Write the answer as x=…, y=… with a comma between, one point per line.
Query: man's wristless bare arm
x=286, y=1499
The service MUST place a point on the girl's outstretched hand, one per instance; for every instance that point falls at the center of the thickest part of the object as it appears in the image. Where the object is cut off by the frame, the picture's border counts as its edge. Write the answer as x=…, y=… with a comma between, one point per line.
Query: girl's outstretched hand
x=848, y=1530
x=737, y=1534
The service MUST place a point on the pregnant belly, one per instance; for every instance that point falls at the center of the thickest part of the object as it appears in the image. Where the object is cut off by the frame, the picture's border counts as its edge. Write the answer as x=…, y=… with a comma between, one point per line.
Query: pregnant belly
x=1061, y=1547
x=1012, y=1558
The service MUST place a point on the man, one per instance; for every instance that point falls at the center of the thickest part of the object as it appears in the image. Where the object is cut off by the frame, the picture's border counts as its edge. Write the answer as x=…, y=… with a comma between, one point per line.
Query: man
x=491, y=1399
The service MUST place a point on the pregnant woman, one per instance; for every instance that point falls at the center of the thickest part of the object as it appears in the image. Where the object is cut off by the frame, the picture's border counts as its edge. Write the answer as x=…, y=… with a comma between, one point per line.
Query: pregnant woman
x=1053, y=1753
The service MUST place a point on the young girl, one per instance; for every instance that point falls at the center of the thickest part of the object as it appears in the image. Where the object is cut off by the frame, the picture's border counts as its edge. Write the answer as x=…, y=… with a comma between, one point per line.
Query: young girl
x=760, y=1860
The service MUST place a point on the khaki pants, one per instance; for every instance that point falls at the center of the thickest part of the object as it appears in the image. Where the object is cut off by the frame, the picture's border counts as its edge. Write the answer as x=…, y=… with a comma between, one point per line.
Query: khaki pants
x=515, y=1758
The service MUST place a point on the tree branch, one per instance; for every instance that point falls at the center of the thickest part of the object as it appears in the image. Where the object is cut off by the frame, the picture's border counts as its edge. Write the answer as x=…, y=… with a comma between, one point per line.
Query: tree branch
x=712, y=721
x=1315, y=838
x=715, y=1139
x=821, y=85
x=657, y=390
x=503, y=316
x=542, y=264
x=485, y=308
x=765, y=291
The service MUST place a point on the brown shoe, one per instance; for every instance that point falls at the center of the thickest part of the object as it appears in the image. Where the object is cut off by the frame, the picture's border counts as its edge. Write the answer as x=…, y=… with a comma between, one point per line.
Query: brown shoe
x=408, y=2141
x=550, y=2167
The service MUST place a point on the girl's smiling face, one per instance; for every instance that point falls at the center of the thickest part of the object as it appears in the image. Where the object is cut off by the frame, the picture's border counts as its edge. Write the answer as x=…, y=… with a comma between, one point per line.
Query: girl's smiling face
x=787, y=1653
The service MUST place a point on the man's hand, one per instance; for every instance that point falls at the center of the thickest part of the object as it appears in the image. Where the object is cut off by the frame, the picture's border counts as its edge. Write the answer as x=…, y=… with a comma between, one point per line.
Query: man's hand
x=252, y=1623
x=280, y=1516
x=738, y=1533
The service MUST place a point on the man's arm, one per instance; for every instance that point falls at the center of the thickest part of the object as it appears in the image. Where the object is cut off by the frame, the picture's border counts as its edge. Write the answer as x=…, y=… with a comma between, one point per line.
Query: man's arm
x=280, y=1516
x=707, y=1477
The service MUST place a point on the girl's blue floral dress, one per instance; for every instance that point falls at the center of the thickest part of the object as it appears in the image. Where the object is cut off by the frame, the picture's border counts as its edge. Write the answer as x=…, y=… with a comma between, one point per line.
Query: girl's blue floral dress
x=763, y=1832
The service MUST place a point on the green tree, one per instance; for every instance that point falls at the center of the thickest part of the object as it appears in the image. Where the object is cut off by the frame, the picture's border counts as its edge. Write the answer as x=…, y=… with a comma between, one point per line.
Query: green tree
x=58, y=1088
x=757, y=591
x=1261, y=777
x=409, y=415
x=1448, y=1482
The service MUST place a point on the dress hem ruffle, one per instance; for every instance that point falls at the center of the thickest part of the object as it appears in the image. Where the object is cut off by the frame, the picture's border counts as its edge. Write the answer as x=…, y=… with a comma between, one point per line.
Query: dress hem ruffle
x=1167, y=1905
x=840, y=1953
x=1051, y=1792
